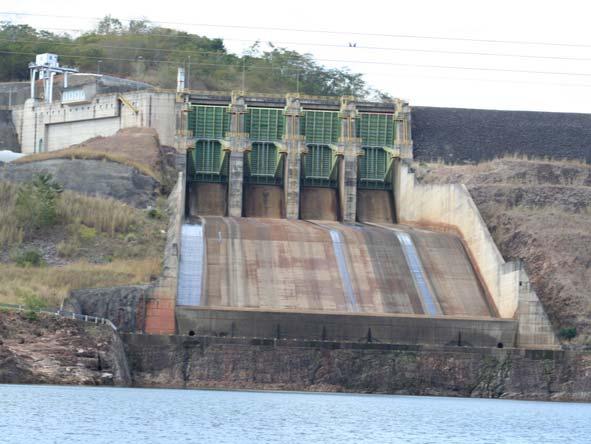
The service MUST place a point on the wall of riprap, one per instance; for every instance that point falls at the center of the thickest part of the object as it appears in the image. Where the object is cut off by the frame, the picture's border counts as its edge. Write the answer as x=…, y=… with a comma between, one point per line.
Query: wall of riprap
x=458, y=135
x=235, y=363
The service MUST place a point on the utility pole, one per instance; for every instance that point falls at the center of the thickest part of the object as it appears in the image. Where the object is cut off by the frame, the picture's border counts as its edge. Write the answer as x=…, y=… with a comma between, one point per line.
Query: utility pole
x=188, y=81
x=243, y=74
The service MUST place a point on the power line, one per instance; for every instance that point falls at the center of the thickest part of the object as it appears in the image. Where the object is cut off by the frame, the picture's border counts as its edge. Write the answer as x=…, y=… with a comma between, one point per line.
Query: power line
x=282, y=68
x=319, y=31
x=418, y=50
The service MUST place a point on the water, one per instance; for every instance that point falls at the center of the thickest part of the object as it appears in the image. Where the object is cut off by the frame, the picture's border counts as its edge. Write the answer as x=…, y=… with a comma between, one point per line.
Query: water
x=337, y=243
x=191, y=265
x=56, y=414
x=416, y=270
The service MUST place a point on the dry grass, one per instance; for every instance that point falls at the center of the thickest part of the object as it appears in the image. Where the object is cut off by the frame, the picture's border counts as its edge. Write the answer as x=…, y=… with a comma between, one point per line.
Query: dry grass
x=104, y=215
x=486, y=163
x=52, y=284
x=85, y=153
x=10, y=231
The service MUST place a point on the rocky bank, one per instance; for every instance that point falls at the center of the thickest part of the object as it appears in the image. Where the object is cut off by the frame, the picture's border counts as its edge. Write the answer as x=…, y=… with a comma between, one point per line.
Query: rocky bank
x=45, y=349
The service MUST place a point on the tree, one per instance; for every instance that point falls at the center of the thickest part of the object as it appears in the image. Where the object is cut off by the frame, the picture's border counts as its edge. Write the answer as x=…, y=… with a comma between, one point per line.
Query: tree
x=109, y=25
x=138, y=26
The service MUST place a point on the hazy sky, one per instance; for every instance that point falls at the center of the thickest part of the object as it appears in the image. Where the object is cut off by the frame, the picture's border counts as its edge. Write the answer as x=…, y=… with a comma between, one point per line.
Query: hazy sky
x=478, y=81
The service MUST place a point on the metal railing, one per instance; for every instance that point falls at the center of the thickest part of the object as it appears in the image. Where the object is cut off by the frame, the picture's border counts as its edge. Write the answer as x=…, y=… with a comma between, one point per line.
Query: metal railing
x=61, y=313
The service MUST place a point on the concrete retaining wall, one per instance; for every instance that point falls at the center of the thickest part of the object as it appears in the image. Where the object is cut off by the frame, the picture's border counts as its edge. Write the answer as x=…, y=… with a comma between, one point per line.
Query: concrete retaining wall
x=50, y=126
x=346, y=327
x=259, y=364
x=450, y=207
x=161, y=306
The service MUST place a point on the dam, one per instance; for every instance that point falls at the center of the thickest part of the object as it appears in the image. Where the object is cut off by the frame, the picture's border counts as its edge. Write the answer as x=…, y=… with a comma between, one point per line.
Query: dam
x=300, y=218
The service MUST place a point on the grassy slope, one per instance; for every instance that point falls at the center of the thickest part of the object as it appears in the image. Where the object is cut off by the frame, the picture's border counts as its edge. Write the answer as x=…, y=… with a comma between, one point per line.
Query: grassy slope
x=96, y=242
x=538, y=211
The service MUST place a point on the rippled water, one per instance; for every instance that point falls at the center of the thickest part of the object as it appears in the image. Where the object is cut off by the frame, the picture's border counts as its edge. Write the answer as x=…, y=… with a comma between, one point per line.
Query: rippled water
x=55, y=414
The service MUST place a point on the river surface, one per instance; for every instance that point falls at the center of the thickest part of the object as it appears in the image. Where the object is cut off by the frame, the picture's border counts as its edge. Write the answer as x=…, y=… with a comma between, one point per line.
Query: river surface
x=57, y=414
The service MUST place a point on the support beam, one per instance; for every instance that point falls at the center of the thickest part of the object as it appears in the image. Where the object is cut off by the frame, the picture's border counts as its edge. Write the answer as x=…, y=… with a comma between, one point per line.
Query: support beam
x=402, y=129
x=33, y=76
x=350, y=146
x=295, y=144
x=238, y=143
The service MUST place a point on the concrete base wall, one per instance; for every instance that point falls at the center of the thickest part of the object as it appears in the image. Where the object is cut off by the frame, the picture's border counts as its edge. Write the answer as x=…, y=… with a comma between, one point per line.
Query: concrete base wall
x=346, y=327
x=259, y=364
x=450, y=207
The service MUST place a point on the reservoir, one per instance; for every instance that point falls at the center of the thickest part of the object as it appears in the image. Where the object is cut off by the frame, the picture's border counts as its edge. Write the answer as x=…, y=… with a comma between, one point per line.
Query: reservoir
x=60, y=414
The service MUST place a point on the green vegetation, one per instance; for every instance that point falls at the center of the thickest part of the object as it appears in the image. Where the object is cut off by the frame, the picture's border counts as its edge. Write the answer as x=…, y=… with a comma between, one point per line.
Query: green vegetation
x=152, y=54
x=97, y=242
x=568, y=333
x=28, y=258
x=36, y=202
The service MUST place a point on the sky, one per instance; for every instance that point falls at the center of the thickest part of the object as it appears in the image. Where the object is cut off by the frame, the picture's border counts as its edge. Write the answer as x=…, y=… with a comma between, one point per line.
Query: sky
x=407, y=49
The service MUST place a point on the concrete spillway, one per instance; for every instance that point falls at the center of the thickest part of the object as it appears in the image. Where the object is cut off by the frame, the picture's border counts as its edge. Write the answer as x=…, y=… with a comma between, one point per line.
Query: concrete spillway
x=337, y=243
x=418, y=273
x=191, y=265
x=279, y=264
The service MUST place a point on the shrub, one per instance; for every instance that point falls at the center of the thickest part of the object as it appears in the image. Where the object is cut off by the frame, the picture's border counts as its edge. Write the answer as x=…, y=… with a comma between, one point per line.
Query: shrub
x=30, y=300
x=155, y=213
x=28, y=258
x=69, y=248
x=568, y=333
x=32, y=303
x=86, y=233
x=36, y=202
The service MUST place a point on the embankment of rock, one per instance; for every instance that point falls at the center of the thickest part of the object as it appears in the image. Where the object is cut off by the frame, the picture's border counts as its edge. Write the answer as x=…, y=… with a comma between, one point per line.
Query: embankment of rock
x=45, y=349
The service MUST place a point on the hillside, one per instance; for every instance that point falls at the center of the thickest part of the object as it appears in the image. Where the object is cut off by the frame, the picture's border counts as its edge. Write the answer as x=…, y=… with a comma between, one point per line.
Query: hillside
x=540, y=212
x=151, y=54
x=92, y=215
